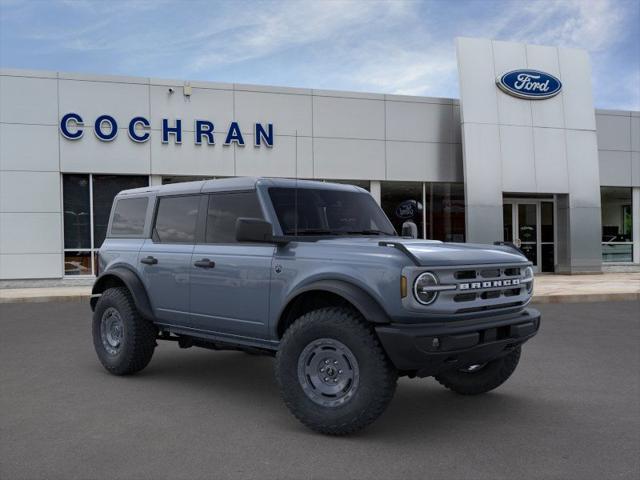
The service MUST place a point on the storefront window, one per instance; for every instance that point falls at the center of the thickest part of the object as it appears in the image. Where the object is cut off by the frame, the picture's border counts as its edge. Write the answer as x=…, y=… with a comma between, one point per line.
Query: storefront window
x=436, y=209
x=617, y=224
x=183, y=178
x=403, y=204
x=87, y=201
x=445, y=211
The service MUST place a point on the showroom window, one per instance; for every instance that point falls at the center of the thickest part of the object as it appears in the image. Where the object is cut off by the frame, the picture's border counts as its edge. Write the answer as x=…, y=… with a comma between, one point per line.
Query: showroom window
x=617, y=224
x=87, y=201
x=436, y=209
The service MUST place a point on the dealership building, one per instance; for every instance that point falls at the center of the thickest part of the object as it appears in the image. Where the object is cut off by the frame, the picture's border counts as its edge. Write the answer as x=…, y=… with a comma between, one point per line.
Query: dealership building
x=522, y=156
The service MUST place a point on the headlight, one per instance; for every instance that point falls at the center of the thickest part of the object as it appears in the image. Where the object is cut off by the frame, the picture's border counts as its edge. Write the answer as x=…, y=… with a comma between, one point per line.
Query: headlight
x=425, y=288
x=528, y=279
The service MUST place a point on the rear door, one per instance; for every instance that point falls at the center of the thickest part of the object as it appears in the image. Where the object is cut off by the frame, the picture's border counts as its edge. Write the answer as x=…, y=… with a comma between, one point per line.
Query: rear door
x=165, y=258
x=230, y=281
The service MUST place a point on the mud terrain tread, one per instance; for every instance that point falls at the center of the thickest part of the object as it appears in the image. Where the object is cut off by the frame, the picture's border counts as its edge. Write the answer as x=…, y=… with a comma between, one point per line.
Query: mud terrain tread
x=139, y=338
x=336, y=320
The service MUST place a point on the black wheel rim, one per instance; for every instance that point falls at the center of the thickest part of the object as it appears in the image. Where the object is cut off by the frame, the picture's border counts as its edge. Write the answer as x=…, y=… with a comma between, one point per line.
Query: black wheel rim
x=328, y=372
x=111, y=330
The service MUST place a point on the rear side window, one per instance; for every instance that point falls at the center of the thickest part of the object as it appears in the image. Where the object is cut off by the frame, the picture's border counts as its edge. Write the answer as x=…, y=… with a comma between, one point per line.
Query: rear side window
x=176, y=219
x=128, y=216
x=224, y=209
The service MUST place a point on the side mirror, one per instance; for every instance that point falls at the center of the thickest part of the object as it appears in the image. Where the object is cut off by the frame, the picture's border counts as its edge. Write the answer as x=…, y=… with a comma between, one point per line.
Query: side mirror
x=254, y=230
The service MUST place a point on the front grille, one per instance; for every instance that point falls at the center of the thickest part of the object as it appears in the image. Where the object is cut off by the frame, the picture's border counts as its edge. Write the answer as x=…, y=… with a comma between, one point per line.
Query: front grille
x=480, y=289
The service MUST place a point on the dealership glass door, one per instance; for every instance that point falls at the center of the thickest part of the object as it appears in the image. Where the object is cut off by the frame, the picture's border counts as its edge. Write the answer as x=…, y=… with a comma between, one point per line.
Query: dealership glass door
x=529, y=224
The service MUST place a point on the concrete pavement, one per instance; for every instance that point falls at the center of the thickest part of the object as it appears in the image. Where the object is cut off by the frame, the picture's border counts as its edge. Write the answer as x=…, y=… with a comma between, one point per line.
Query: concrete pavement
x=570, y=411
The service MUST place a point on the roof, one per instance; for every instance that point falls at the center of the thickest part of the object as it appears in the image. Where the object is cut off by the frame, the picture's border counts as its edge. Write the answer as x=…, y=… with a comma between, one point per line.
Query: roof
x=234, y=183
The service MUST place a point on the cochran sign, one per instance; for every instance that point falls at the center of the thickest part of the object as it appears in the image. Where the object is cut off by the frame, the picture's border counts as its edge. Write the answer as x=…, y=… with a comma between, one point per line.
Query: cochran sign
x=529, y=84
x=105, y=128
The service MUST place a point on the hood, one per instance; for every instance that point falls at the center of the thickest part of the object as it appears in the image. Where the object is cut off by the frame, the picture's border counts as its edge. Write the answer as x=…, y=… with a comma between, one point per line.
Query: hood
x=452, y=254
x=435, y=253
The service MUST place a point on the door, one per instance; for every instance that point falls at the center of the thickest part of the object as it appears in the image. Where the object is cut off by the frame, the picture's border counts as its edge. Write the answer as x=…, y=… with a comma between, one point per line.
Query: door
x=529, y=224
x=230, y=281
x=165, y=259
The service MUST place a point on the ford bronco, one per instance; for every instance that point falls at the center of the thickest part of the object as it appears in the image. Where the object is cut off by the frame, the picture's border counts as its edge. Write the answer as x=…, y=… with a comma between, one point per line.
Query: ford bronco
x=314, y=274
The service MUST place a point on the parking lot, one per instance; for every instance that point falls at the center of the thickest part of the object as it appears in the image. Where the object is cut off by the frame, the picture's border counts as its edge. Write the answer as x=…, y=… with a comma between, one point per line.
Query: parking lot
x=571, y=410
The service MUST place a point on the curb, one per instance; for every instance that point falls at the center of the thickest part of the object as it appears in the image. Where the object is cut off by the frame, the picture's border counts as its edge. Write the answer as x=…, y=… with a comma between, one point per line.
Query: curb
x=586, y=297
x=45, y=298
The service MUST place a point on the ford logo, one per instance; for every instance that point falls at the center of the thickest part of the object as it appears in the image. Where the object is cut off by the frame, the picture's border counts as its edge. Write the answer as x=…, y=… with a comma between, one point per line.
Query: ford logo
x=408, y=209
x=529, y=84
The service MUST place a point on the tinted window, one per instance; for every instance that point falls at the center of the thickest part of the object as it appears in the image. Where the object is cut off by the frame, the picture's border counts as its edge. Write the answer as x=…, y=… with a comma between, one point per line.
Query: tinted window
x=128, y=216
x=326, y=212
x=77, y=214
x=224, y=210
x=105, y=189
x=176, y=219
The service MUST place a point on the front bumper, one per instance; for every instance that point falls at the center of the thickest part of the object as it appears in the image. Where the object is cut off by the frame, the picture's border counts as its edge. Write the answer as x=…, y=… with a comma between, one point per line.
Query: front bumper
x=428, y=349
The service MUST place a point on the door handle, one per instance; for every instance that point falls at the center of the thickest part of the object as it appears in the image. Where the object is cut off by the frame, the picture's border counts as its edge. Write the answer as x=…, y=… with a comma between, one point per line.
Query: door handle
x=205, y=263
x=149, y=260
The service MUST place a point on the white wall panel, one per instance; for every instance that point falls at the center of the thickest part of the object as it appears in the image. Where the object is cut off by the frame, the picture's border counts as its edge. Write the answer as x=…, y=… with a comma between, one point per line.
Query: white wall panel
x=288, y=113
x=336, y=158
x=577, y=93
x=551, y=160
x=635, y=169
x=420, y=122
x=123, y=101
x=29, y=192
x=518, y=164
x=582, y=165
x=29, y=147
x=509, y=56
x=477, y=80
x=615, y=168
x=30, y=233
x=614, y=132
x=348, y=118
x=635, y=133
x=550, y=112
x=279, y=161
x=28, y=100
x=191, y=159
x=483, y=183
x=406, y=160
x=30, y=266
x=121, y=155
x=204, y=104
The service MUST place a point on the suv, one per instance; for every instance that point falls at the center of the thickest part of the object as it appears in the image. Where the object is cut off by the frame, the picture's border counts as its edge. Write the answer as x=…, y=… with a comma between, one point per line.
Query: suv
x=314, y=274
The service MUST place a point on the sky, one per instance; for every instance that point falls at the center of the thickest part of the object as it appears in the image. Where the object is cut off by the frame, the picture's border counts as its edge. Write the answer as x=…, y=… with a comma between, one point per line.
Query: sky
x=402, y=47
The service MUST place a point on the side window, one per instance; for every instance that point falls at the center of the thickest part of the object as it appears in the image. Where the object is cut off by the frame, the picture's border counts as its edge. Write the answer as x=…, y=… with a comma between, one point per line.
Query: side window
x=128, y=216
x=224, y=210
x=176, y=219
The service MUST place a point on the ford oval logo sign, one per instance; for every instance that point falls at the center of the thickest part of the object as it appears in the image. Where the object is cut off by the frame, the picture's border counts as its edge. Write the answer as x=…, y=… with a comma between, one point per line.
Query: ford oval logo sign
x=529, y=84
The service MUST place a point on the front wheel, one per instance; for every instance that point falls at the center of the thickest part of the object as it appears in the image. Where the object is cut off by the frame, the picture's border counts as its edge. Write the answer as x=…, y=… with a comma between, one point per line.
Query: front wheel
x=476, y=379
x=122, y=338
x=332, y=372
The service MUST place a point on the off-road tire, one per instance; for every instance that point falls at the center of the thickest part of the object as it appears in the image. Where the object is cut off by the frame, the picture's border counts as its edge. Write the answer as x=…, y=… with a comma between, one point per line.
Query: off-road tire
x=490, y=376
x=138, y=337
x=377, y=376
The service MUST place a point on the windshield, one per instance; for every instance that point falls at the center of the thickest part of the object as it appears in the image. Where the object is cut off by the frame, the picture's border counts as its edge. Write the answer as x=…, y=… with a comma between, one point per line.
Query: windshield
x=308, y=211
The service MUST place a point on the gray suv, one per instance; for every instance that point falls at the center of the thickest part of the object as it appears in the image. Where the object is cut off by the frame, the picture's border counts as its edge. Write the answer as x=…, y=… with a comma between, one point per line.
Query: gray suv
x=314, y=274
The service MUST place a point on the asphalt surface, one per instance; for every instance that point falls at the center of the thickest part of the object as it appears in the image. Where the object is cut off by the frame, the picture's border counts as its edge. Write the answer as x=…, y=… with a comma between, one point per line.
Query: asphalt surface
x=571, y=410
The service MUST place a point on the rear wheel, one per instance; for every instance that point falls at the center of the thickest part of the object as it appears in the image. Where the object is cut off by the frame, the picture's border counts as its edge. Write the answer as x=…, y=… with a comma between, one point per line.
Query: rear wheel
x=332, y=372
x=481, y=378
x=124, y=341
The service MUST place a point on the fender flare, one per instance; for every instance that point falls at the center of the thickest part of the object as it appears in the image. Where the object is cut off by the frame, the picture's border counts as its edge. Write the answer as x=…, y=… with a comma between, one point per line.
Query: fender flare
x=358, y=297
x=133, y=283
